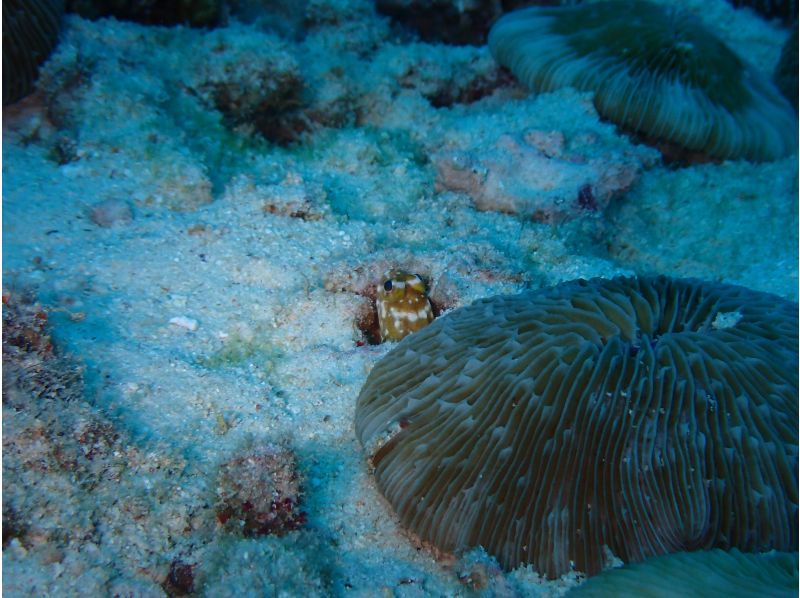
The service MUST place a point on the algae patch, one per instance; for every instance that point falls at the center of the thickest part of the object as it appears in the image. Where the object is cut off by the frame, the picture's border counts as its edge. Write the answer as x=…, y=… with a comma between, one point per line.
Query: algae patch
x=240, y=349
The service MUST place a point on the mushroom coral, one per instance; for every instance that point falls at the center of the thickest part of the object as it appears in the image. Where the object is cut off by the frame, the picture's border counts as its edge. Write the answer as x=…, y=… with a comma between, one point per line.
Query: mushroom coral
x=655, y=70
x=638, y=415
x=701, y=573
x=30, y=32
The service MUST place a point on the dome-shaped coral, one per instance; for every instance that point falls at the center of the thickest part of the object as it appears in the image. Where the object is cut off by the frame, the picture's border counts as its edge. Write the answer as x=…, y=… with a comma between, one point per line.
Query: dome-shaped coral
x=645, y=415
x=654, y=70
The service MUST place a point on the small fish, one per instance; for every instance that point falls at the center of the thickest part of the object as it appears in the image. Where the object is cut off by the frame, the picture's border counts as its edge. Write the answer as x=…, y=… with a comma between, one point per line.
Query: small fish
x=403, y=305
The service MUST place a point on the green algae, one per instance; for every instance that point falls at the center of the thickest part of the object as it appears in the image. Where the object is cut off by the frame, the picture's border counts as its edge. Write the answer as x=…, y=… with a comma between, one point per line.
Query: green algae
x=239, y=350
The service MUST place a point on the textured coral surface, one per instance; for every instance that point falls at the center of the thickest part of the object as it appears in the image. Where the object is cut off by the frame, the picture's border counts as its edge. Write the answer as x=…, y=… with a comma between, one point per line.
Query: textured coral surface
x=656, y=70
x=631, y=415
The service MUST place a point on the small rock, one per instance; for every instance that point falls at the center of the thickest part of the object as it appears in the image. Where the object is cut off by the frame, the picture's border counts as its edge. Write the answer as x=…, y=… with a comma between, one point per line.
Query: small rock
x=534, y=177
x=189, y=324
x=179, y=580
x=259, y=492
x=111, y=212
x=550, y=143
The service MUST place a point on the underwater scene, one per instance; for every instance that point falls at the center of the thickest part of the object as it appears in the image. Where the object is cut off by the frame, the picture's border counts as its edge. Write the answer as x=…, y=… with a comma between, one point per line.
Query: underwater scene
x=475, y=298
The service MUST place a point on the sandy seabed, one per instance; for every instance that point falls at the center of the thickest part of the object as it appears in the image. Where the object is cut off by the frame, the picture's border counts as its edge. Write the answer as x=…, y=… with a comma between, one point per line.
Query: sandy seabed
x=204, y=288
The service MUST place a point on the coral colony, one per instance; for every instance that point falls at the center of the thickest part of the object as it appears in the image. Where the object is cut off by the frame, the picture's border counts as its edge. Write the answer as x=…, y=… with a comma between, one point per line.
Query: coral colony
x=526, y=424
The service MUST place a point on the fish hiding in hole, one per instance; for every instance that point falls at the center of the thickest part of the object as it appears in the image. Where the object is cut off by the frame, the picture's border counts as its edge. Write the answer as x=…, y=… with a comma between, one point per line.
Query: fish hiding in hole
x=403, y=305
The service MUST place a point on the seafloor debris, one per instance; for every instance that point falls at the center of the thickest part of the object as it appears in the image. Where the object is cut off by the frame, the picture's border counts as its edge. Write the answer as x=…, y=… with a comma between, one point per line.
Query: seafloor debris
x=259, y=492
x=293, y=197
x=73, y=484
x=29, y=363
x=479, y=572
x=536, y=177
x=184, y=322
x=111, y=212
x=301, y=564
x=180, y=579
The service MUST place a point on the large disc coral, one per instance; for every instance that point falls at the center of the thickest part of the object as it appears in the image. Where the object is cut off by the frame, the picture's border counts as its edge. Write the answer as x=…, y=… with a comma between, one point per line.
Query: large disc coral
x=637, y=415
x=655, y=70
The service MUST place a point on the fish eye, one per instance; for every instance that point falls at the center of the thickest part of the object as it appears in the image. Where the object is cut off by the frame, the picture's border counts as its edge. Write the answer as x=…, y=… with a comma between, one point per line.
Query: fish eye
x=387, y=286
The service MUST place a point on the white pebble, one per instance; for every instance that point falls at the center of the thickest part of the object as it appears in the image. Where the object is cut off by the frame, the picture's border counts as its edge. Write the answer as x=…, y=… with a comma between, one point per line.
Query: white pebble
x=184, y=322
x=727, y=319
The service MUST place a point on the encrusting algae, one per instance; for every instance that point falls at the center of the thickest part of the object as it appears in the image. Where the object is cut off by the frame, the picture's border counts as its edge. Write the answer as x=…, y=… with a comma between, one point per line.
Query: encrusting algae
x=403, y=305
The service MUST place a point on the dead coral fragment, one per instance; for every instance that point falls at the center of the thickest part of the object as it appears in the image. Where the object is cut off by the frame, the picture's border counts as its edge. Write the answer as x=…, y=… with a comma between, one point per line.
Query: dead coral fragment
x=535, y=177
x=179, y=580
x=24, y=323
x=655, y=70
x=259, y=492
x=111, y=213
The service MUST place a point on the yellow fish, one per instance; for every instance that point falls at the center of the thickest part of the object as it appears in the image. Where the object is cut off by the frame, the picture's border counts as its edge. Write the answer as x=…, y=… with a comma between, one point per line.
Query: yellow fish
x=403, y=305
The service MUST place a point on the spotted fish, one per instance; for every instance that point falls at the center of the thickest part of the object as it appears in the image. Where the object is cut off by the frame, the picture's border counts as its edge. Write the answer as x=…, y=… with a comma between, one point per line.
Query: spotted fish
x=403, y=305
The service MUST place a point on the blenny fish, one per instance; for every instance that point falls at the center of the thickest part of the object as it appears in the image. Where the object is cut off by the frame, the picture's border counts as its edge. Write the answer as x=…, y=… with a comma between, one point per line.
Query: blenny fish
x=403, y=305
